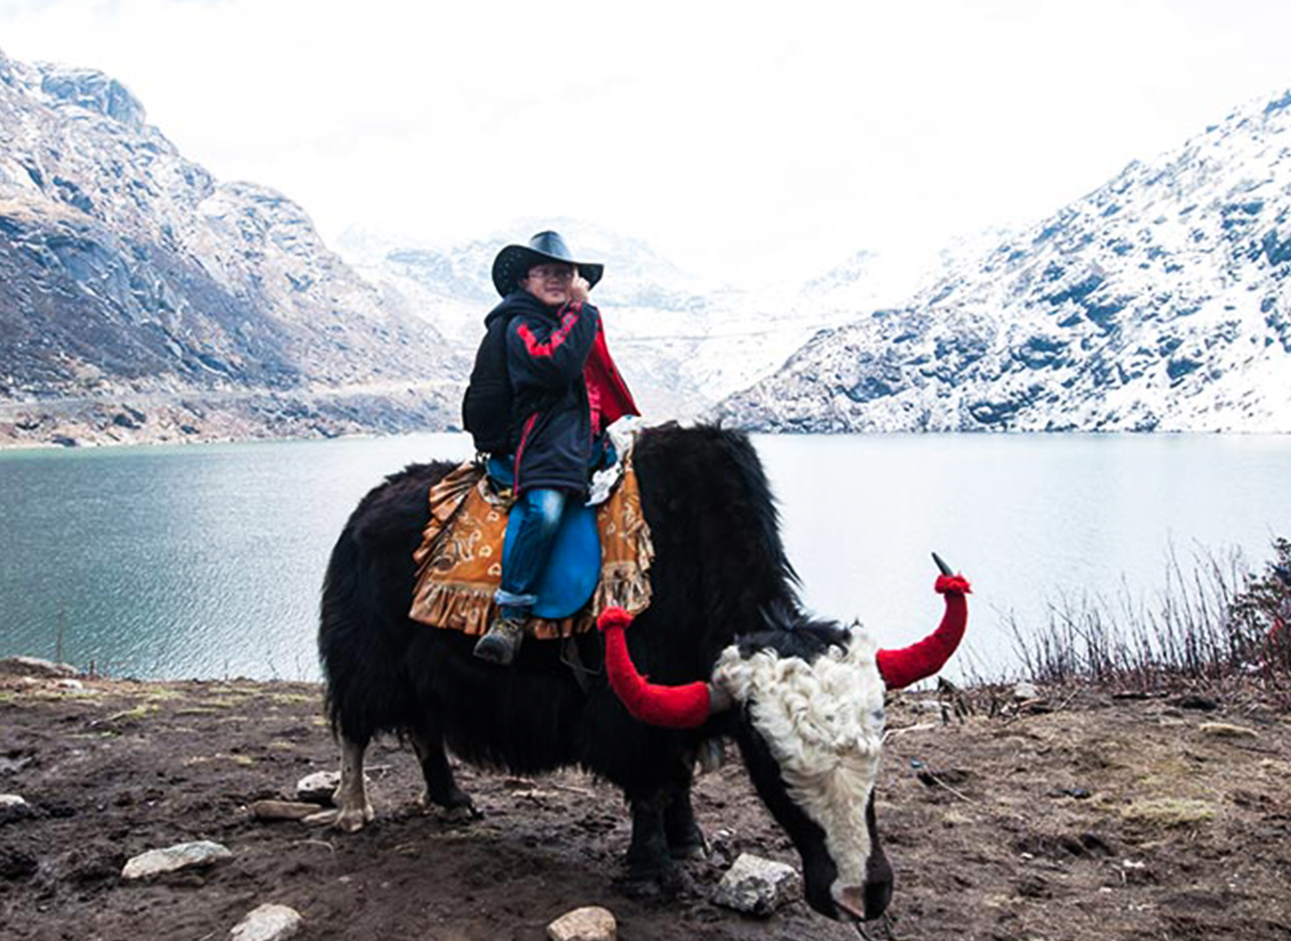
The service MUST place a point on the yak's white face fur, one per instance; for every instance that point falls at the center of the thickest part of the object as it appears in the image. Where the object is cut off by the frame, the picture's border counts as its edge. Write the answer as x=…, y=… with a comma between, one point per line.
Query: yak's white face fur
x=823, y=722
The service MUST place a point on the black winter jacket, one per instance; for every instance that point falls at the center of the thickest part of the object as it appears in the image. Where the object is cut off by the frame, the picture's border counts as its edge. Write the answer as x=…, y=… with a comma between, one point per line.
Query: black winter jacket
x=547, y=348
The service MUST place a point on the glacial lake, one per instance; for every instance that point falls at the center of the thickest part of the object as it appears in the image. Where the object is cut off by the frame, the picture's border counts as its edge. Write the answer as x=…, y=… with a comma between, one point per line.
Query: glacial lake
x=205, y=561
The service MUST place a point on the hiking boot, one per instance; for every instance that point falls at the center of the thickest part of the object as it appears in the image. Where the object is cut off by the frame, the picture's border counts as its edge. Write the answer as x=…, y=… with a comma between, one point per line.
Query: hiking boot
x=500, y=644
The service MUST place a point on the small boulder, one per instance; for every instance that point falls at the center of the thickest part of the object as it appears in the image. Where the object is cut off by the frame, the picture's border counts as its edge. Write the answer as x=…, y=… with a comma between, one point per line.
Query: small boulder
x=584, y=924
x=758, y=886
x=1025, y=690
x=35, y=667
x=318, y=788
x=172, y=858
x=268, y=923
x=13, y=808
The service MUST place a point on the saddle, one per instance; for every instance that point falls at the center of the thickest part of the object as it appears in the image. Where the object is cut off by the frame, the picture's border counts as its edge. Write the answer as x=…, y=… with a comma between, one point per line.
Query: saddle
x=601, y=557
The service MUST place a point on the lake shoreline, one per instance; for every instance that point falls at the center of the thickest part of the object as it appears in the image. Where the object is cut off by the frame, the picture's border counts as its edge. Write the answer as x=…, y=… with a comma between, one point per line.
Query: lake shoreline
x=141, y=419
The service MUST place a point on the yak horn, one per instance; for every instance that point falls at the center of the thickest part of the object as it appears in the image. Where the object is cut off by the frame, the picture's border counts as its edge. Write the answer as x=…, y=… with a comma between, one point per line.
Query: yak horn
x=676, y=707
x=900, y=668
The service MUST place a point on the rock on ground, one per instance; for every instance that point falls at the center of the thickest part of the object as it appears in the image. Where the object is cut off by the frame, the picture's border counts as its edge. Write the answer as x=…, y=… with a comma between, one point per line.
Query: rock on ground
x=318, y=788
x=758, y=886
x=172, y=858
x=1025, y=690
x=584, y=924
x=268, y=923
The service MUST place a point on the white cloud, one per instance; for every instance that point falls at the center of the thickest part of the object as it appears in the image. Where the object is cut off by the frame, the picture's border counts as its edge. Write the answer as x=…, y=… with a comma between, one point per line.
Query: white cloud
x=741, y=142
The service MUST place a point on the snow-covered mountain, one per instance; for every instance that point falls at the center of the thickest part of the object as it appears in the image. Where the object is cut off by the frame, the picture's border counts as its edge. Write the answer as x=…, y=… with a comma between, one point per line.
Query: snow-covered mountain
x=142, y=299
x=1161, y=301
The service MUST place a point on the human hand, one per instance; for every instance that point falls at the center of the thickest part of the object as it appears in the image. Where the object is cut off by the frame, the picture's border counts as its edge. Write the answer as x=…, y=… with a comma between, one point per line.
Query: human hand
x=578, y=288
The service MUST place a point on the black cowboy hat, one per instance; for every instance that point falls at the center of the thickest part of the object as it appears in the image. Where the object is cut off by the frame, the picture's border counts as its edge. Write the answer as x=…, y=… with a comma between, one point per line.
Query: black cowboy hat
x=514, y=261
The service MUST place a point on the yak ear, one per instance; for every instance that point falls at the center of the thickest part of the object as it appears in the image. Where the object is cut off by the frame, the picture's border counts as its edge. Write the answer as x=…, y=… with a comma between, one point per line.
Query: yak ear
x=720, y=698
x=733, y=677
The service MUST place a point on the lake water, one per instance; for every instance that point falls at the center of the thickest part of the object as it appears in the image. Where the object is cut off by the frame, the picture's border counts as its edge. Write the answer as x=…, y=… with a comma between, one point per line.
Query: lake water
x=206, y=561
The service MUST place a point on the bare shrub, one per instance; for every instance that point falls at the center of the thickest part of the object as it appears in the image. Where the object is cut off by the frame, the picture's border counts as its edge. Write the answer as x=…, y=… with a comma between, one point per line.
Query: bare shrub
x=1215, y=625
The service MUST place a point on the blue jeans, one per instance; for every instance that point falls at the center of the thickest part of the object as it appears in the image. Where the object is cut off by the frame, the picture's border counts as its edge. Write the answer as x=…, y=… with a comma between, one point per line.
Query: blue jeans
x=542, y=510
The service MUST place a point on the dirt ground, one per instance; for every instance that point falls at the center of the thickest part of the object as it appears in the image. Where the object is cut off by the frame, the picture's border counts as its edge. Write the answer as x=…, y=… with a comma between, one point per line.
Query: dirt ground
x=1102, y=817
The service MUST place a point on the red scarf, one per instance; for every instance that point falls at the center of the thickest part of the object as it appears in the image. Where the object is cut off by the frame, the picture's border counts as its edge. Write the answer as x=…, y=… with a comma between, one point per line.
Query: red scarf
x=606, y=391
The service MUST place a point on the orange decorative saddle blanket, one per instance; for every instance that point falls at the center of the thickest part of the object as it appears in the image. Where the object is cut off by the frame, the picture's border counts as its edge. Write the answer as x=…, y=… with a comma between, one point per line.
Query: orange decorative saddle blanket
x=459, y=562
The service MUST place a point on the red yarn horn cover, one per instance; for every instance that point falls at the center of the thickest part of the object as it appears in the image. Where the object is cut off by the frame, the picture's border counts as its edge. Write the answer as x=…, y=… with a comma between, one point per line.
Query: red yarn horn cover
x=900, y=668
x=677, y=707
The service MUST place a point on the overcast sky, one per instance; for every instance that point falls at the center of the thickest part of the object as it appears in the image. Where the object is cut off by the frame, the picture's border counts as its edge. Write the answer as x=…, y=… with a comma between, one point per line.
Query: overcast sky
x=745, y=141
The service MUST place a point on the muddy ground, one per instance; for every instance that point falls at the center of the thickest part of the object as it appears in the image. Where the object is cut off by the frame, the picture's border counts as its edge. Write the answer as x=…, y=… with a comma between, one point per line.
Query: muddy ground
x=1102, y=818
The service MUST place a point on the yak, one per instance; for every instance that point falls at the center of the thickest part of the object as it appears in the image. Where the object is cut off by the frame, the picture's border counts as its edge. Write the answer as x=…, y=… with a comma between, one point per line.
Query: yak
x=728, y=648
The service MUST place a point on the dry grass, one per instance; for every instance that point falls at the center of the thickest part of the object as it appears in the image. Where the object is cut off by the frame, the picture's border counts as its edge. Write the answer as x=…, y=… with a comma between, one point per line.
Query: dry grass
x=1169, y=812
x=1213, y=630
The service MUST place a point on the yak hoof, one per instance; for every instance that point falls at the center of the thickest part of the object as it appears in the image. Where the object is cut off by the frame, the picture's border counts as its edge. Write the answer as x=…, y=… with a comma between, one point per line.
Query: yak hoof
x=462, y=813
x=352, y=819
x=689, y=844
x=640, y=888
x=664, y=884
x=460, y=809
x=696, y=850
x=661, y=888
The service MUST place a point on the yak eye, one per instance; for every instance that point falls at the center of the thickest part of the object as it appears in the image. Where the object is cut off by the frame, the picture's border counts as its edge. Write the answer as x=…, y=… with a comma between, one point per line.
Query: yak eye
x=877, y=716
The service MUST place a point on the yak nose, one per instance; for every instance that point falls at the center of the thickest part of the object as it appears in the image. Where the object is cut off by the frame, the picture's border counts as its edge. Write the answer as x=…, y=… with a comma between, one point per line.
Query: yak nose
x=866, y=902
x=870, y=900
x=852, y=900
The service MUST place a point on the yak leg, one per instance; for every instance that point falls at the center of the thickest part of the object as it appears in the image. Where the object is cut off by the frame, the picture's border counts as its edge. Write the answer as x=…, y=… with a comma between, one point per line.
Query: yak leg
x=650, y=867
x=685, y=839
x=441, y=786
x=351, y=795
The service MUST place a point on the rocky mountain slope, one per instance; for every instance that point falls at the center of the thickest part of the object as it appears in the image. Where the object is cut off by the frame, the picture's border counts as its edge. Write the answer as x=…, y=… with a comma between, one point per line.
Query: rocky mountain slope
x=142, y=299
x=1161, y=301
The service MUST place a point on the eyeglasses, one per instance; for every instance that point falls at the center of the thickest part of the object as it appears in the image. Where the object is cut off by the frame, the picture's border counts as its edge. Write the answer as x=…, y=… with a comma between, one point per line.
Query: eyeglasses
x=552, y=273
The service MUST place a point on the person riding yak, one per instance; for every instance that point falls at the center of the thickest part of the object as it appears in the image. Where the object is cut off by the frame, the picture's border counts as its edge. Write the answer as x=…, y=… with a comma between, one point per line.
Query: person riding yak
x=561, y=391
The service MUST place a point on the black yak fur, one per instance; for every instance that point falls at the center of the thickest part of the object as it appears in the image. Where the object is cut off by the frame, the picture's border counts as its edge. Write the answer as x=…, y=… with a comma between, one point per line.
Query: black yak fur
x=719, y=574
